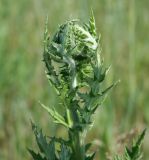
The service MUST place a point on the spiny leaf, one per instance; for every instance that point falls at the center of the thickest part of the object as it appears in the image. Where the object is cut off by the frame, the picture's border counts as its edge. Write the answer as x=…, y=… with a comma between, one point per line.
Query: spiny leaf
x=109, y=88
x=87, y=146
x=48, y=149
x=92, y=26
x=134, y=153
x=36, y=156
x=91, y=157
x=57, y=117
x=64, y=153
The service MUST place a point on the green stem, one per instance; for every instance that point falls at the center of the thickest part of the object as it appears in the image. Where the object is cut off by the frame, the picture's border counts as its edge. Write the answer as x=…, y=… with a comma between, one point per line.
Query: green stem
x=77, y=147
x=75, y=136
x=75, y=144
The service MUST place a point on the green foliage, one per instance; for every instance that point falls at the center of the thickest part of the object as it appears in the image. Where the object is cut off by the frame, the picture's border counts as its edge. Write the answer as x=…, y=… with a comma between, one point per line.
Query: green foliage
x=47, y=149
x=74, y=68
x=134, y=153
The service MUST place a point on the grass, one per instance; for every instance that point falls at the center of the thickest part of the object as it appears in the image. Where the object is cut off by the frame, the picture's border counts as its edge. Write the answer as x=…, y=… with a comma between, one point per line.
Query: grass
x=22, y=81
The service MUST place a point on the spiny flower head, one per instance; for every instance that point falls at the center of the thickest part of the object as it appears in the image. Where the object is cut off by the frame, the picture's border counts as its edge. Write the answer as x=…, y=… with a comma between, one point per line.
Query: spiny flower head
x=74, y=38
x=71, y=53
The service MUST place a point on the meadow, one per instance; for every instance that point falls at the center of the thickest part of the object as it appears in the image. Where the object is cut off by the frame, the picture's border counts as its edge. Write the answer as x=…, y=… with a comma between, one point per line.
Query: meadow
x=123, y=26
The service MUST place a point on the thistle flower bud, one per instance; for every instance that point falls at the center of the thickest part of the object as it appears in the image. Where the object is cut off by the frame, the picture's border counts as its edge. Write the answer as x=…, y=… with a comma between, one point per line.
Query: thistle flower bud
x=84, y=37
x=73, y=38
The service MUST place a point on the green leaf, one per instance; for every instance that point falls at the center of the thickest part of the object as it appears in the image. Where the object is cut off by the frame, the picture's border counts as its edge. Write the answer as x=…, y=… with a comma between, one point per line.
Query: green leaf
x=64, y=153
x=55, y=115
x=109, y=88
x=92, y=26
x=95, y=88
x=36, y=156
x=100, y=73
x=91, y=157
x=48, y=149
x=87, y=146
x=134, y=153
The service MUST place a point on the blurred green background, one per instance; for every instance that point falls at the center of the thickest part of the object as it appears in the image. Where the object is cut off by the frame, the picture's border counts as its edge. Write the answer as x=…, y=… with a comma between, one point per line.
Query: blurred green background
x=124, y=27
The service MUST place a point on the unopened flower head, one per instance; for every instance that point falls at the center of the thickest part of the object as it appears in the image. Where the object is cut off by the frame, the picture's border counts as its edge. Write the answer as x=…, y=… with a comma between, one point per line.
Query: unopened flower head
x=73, y=36
x=84, y=37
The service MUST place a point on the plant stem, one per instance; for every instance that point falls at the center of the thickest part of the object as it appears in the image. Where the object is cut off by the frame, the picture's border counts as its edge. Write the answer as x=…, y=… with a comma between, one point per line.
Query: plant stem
x=75, y=134
x=76, y=145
